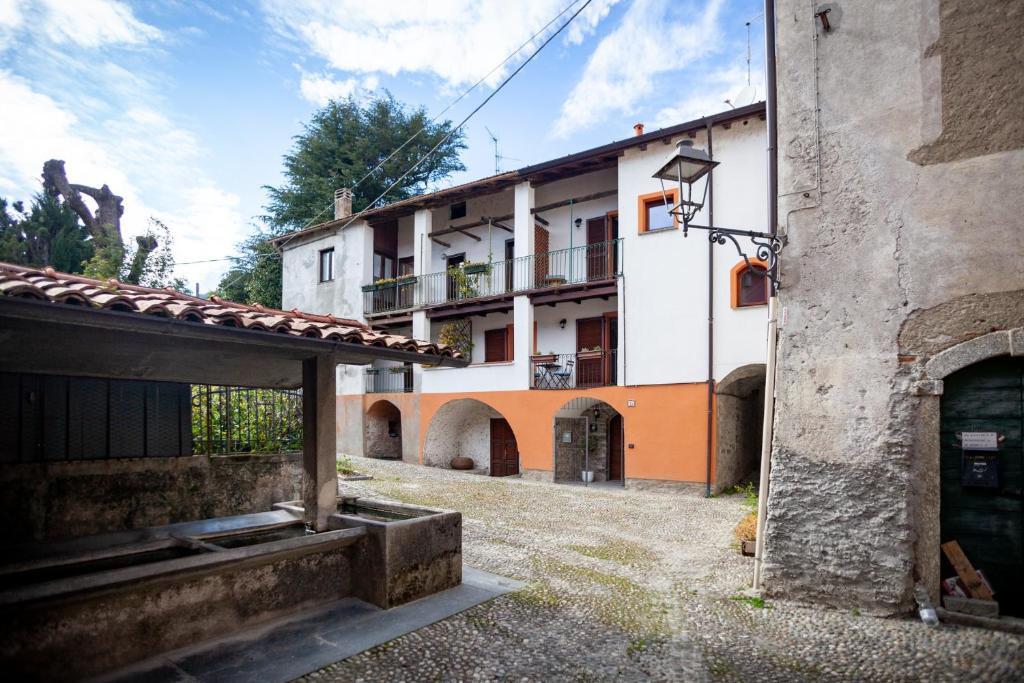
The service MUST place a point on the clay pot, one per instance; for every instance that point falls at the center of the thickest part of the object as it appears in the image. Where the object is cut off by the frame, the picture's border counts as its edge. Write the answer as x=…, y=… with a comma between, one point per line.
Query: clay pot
x=461, y=463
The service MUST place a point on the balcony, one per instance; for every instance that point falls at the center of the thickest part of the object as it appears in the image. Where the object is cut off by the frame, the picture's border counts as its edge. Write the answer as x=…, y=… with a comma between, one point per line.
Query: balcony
x=580, y=370
x=392, y=380
x=574, y=267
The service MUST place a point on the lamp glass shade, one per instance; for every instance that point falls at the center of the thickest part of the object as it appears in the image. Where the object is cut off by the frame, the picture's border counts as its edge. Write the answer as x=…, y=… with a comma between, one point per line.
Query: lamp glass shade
x=687, y=165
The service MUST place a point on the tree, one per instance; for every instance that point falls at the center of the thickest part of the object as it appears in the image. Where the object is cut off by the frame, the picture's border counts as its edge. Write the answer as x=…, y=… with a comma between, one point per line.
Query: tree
x=49, y=234
x=343, y=141
x=104, y=226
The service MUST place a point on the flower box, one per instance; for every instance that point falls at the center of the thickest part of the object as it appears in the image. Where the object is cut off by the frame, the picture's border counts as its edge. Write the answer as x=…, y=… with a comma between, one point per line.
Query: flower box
x=476, y=268
x=553, y=280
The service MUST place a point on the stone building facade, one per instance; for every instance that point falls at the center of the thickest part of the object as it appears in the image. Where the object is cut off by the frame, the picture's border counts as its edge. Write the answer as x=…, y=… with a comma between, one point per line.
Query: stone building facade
x=900, y=177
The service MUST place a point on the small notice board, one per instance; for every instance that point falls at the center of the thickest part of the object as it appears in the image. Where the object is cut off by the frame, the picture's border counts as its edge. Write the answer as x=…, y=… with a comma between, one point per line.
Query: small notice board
x=980, y=459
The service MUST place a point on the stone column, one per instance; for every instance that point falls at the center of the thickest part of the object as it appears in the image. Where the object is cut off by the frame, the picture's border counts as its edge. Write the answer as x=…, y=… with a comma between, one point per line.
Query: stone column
x=319, y=455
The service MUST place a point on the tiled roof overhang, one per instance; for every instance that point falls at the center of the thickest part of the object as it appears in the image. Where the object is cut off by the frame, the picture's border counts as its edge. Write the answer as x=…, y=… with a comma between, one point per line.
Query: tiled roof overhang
x=594, y=159
x=44, y=307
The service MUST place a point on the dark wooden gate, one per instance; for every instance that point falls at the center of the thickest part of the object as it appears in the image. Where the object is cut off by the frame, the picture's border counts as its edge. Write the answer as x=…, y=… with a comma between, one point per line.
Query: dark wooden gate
x=615, y=448
x=589, y=336
x=504, y=451
x=988, y=520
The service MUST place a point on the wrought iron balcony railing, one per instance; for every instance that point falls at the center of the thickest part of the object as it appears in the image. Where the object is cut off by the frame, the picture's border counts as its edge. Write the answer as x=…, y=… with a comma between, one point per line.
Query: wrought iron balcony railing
x=392, y=380
x=574, y=266
x=575, y=370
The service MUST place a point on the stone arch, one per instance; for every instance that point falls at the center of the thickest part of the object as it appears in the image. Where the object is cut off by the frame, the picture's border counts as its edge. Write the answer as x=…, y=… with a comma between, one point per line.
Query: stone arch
x=588, y=435
x=739, y=417
x=461, y=427
x=1001, y=343
x=382, y=431
x=932, y=370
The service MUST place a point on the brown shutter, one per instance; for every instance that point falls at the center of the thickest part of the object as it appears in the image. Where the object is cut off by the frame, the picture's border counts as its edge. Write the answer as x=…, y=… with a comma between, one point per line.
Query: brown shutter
x=495, y=345
x=510, y=342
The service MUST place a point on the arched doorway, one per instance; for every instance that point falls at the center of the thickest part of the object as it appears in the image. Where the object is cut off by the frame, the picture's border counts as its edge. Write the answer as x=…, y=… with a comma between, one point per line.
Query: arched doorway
x=588, y=443
x=383, y=431
x=470, y=428
x=739, y=416
x=982, y=473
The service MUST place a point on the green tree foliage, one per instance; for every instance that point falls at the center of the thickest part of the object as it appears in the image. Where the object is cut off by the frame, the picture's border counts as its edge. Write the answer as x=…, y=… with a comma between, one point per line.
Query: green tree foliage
x=48, y=234
x=342, y=142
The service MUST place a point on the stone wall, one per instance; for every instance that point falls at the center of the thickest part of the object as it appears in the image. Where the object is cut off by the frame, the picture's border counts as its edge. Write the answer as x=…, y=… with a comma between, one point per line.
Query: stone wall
x=571, y=457
x=78, y=498
x=739, y=411
x=899, y=201
x=383, y=431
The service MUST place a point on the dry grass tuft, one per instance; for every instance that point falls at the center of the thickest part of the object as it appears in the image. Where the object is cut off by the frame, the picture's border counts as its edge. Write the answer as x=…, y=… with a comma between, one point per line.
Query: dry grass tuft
x=746, y=530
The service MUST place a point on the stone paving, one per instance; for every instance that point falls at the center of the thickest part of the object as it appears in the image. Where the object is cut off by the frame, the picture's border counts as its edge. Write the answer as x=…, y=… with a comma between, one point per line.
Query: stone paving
x=639, y=585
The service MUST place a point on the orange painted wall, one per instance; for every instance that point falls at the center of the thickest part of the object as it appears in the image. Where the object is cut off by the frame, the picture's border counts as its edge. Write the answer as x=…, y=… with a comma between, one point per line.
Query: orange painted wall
x=668, y=425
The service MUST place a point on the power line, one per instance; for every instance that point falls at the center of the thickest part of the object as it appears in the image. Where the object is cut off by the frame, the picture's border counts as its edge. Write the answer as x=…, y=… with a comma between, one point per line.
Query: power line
x=498, y=89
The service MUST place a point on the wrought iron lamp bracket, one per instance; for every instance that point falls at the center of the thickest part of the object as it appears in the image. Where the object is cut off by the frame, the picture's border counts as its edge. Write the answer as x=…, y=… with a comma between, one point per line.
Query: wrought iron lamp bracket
x=767, y=247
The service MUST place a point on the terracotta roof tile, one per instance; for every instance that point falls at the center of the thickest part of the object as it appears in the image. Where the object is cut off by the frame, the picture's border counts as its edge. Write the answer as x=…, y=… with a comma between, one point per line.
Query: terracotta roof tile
x=75, y=290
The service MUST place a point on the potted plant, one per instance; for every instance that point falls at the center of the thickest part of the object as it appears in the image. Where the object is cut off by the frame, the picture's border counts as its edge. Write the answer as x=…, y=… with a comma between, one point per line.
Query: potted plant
x=552, y=280
x=471, y=268
x=405, y=279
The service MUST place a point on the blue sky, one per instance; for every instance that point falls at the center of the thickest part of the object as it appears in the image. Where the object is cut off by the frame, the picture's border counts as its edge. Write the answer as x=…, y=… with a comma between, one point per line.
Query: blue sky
x=185, y=108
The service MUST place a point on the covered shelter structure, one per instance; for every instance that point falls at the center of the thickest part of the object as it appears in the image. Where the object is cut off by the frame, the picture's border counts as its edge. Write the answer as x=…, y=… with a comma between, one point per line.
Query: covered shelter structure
x=135, y=348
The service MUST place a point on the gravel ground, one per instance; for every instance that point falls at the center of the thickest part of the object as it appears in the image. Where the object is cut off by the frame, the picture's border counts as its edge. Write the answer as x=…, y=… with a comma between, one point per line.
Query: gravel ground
x=638, y=585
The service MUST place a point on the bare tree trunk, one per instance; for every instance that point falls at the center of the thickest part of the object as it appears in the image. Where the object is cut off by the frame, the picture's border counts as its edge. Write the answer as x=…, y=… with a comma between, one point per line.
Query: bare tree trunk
x=104, y=226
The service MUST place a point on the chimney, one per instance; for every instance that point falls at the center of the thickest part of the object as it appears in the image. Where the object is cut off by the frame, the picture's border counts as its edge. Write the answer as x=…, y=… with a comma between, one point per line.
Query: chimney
x=342, y=203
x=638, y=129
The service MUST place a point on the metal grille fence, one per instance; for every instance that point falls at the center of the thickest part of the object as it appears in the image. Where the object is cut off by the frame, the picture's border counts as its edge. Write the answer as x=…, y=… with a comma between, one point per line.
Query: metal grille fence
x=239, y=420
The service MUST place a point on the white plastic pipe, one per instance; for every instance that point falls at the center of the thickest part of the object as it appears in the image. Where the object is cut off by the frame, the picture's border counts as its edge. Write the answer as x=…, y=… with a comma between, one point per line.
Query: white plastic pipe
x=766, y=438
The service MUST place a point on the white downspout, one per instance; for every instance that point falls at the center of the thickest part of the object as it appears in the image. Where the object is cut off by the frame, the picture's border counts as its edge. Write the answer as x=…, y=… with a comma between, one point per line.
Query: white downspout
x=766, y=438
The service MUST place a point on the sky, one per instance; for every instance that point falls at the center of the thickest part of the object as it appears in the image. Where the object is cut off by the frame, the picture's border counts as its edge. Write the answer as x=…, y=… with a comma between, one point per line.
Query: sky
x=186, y=108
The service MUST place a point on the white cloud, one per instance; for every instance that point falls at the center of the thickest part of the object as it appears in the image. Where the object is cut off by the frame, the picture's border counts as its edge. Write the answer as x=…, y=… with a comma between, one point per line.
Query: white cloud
x=85, y=23
x=153, y=164
x=632, y=62
x=457, y=41
x=320, y=89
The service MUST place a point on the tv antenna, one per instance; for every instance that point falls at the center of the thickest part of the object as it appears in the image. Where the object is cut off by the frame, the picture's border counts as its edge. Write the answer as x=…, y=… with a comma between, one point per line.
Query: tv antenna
x=498, y=157
x=748, y=93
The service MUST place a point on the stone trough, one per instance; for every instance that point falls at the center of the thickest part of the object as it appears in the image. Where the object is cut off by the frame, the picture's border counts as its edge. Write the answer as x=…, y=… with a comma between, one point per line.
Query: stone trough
x=95, y=604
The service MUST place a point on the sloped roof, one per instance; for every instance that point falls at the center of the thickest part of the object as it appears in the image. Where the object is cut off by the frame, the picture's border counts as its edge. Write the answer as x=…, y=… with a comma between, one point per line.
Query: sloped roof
x=48, y=285
x=593, y=159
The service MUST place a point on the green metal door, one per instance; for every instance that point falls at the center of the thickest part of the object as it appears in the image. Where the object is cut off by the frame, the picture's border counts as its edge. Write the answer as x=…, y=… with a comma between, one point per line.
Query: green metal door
x=987, y=521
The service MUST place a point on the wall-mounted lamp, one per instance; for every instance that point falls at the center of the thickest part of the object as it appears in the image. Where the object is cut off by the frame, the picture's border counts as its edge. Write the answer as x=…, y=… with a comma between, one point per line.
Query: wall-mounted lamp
x=561, y=323
x=597, y=413
x=578, y=222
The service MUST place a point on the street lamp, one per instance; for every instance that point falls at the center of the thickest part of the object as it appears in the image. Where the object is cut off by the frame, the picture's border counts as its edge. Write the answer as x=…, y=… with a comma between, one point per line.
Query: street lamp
x=688, y=167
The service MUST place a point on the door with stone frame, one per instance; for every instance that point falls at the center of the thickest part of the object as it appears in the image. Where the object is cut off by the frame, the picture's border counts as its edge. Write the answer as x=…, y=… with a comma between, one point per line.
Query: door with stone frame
x=504, y=450
x=981, y=491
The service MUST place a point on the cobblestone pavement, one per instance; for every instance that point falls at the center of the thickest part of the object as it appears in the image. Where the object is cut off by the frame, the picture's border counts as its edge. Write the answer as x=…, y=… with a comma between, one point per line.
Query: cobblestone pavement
x=639, y=585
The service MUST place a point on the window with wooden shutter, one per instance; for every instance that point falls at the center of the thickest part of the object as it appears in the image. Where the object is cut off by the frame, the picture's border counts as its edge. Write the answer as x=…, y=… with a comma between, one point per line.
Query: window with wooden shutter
x=495, y=345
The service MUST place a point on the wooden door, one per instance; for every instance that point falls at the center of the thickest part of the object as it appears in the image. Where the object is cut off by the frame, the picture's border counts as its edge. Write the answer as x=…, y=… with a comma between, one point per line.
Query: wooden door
x=615, y=452
x=597, y=249
x=589, y=335
x=613, y=252
x=504, y=451
x=986, y=516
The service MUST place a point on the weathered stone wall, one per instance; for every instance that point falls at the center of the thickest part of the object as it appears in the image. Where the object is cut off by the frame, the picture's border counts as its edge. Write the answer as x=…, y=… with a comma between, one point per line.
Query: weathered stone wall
x=739, y=414
x=78, y=498
x=383, y=431
x=460, y=428
x=900, y=202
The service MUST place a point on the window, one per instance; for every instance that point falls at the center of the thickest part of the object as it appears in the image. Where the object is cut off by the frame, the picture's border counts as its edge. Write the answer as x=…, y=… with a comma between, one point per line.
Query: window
x=327, y=265
x=383, y=266
x=654, y=213
x=749, y=284
x=457, y=210
x=498, y=345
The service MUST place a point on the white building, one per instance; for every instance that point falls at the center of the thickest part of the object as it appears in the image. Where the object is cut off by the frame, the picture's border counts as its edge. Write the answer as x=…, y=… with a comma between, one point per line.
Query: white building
x=597, y=336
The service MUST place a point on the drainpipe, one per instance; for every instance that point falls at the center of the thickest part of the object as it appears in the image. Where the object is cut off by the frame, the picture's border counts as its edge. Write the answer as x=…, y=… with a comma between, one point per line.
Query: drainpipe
x=711, y=322
x=767, y=428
